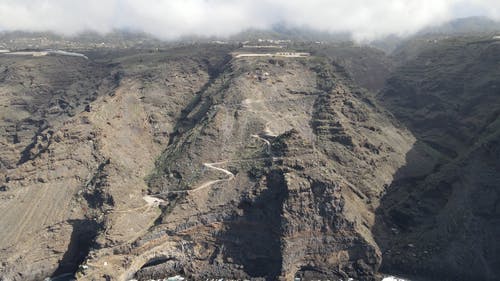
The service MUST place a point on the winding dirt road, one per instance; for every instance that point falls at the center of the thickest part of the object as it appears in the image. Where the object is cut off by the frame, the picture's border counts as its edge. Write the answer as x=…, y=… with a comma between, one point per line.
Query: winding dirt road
x=152, y=200
x=268, y=143
x=207, y=184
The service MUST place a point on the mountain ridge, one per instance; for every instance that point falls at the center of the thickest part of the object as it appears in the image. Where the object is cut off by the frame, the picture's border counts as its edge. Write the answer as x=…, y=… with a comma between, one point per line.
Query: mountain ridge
x=189, y=160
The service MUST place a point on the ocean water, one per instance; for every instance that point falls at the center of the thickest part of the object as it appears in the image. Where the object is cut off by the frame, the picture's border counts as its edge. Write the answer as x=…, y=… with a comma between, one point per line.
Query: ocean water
x=69, y=277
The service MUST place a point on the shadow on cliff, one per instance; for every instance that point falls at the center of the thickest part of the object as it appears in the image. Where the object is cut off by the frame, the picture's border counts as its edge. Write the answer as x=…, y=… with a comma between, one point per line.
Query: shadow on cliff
x=82, y=238
x=437, y=219
x=407, y=208
x=252, y=240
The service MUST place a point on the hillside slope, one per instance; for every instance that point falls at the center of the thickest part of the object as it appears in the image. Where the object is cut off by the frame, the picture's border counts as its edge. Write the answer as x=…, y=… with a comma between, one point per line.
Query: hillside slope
x=185, y=161
x=273, y=172
x=145, y=164
x=78, y=139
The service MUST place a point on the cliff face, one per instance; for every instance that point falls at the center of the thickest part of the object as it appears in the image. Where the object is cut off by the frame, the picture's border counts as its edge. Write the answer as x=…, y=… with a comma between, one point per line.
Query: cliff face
x=440, y=217
x=183, y=162
x=368, y=67
x=78, y=139
x=188, y=161
x=272, y=172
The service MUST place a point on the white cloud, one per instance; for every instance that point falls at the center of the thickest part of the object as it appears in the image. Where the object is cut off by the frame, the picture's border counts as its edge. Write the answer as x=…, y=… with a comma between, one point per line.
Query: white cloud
x=168, y=19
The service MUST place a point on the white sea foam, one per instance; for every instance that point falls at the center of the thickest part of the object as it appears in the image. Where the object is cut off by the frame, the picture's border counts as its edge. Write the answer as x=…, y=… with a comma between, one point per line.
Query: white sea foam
x=393, y=278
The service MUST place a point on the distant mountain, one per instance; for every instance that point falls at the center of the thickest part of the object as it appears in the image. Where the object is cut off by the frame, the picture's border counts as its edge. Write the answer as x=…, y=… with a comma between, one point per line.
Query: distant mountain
x=464, y=26
x=471, y=26
x=387, y=44
x=302, y=34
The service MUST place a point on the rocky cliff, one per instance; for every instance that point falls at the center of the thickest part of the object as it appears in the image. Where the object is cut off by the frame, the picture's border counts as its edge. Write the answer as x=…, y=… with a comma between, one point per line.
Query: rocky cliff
x=78, y=138
x=273, y=173
x=144, y=164
x=440, y=216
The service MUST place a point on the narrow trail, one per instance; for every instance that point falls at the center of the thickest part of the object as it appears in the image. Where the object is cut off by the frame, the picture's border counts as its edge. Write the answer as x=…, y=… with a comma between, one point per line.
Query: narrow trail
x=152, y=200
x=229, y=174
x=268, y=132
x=248, y=102
x=204, y=185
x=268, y=143
x=207, y=184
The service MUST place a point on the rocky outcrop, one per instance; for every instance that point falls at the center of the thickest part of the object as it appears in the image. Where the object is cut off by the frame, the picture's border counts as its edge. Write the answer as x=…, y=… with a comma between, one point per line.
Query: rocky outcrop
x=267, y=179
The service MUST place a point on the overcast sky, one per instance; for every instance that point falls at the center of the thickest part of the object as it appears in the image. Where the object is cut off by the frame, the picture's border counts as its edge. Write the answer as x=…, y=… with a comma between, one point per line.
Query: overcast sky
x=169, y=19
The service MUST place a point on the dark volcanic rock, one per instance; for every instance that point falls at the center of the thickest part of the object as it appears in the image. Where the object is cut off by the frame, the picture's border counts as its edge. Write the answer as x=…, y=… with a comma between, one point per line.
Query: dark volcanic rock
x=440, y=217
x=279, y=178
x=189, y=161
